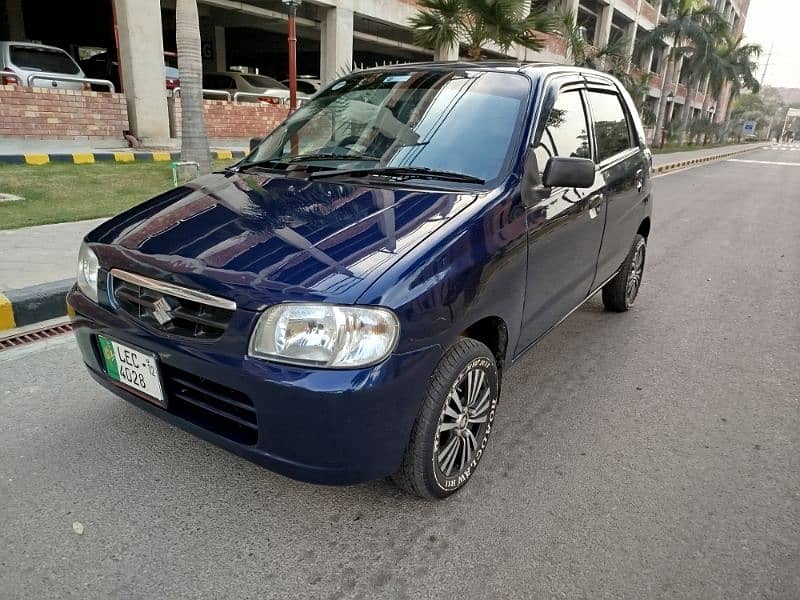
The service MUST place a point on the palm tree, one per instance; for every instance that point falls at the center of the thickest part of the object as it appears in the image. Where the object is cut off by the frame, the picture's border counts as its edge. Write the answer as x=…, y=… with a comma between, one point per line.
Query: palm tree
x=682, y=30
x=741, y=67
x=445, y=23
x=194, y=140
x=698, y=59
x=611, y=57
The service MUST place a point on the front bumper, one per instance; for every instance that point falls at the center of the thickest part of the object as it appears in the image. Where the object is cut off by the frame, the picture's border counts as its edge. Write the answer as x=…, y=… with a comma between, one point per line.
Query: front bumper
x=321, y=426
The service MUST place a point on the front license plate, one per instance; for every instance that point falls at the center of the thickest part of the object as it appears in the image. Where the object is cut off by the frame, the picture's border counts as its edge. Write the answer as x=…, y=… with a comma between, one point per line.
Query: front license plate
x=133, y=368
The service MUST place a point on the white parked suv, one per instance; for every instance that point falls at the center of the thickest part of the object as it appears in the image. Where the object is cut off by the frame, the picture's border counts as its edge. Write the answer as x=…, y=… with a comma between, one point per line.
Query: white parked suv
x=22, y=59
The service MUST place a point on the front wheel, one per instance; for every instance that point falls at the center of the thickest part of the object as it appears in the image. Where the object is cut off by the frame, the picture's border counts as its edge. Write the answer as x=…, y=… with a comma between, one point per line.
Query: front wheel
x=620, y=293
x=454, y=423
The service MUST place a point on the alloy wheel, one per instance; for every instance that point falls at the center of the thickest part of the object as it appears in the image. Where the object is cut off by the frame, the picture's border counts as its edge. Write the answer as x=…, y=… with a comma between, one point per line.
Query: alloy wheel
x=463, y=422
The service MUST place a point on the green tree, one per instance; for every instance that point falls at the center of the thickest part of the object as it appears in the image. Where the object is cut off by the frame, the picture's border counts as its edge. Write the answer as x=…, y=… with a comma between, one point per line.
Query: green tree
x=682, y=30
x=742, y=64
x=194, y=140
x=445, y=23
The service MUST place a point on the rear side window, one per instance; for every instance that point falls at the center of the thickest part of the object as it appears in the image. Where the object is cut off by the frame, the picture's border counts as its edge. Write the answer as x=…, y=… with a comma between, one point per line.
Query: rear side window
x=262, y=81
x=611, y=127
x=566, y=133
x=43, y=59
x=218, y=82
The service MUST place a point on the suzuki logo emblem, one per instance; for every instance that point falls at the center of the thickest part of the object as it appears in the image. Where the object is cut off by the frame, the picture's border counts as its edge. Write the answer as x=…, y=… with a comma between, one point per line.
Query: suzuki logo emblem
x=162, y=311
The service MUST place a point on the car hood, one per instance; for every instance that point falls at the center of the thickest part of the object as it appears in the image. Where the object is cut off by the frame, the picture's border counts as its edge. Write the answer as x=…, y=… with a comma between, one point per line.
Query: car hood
x=259, y=238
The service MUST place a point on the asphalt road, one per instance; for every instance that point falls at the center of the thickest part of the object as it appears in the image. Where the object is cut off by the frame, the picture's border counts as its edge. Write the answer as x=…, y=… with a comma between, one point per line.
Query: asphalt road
x=654, y=454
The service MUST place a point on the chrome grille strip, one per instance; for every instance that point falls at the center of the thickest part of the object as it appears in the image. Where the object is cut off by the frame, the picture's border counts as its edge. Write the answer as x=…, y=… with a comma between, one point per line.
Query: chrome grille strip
x=174, y=290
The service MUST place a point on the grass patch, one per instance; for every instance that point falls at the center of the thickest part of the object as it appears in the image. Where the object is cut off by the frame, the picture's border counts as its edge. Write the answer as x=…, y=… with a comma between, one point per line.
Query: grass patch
x=60, y=192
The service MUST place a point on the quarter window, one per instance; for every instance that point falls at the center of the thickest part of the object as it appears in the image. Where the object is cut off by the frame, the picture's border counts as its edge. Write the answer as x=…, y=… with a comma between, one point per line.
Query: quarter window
x=610, y=125
x=566, y=132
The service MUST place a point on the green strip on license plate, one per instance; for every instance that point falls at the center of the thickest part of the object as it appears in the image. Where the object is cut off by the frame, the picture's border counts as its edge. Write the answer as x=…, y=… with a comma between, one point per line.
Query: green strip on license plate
x=109, y=357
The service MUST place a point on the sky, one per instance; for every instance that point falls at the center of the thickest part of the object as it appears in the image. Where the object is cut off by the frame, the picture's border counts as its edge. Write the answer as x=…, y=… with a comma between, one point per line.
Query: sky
x=778, y=22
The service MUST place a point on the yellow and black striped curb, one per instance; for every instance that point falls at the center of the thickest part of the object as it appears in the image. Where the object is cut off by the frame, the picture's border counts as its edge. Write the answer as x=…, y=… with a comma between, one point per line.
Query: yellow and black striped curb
x=34, y=304
x=696, y=161
x=81, y=158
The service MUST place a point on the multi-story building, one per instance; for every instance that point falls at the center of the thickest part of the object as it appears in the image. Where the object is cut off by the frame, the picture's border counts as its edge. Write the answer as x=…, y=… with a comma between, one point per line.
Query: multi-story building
x=333, y=36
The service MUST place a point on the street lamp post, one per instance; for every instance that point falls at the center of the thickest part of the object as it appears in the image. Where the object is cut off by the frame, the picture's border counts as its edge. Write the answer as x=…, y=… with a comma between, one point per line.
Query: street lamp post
x=292, y=6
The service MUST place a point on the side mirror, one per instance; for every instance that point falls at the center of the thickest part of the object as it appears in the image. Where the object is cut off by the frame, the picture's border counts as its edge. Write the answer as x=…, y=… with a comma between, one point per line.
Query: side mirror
x=255, y=142
x=568, y=172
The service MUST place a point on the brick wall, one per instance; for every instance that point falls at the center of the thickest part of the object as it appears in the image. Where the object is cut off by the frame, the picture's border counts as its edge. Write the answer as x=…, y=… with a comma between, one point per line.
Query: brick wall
x=233, y=120
x=61, y=114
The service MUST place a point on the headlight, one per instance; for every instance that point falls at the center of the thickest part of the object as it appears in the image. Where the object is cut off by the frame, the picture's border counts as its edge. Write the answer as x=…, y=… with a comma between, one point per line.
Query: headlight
x=323, y=335
x=87, y=271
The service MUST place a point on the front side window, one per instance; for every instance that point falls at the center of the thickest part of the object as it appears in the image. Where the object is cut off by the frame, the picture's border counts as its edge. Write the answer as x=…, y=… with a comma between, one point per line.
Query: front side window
x=610, y=125
x=262, y=81
x=566, y=133
x=461, y=121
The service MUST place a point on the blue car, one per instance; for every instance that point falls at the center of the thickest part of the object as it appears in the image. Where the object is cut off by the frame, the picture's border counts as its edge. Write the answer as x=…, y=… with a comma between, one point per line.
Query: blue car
x=343, y=303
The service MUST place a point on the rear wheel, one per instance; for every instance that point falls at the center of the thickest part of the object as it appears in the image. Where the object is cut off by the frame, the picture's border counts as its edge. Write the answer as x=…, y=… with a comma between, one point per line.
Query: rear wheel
x=453, y=427
x=620, y=293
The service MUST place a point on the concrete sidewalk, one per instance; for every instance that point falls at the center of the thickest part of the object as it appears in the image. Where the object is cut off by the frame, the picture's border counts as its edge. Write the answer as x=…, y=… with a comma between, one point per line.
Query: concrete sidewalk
x=35, y=255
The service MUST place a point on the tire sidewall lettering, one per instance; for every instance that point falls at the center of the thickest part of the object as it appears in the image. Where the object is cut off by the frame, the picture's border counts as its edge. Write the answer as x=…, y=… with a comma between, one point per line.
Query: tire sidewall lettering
x=452, y=483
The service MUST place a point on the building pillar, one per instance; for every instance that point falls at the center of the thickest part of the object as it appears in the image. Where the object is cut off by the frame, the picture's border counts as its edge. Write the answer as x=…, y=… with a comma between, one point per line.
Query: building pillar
x=14, y=30
x=571, y=6
x=449, y=53
x=219, y=48
x=141, y=55
x=336, y=44
x=630, y=41
x=603, y=33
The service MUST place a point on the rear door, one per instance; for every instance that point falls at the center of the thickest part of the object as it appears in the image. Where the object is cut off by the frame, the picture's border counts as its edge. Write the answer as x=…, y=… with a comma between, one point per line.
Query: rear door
x=623, y=167
x=565, y=228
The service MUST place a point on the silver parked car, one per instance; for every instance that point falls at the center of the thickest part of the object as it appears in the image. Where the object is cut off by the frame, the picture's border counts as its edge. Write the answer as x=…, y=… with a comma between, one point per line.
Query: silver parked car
x=262, y=88
x=24, y=59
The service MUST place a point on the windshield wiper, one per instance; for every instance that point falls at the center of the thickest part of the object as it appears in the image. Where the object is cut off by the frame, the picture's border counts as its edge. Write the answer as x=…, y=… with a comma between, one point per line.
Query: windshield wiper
x=401, y=172
x=344, y=157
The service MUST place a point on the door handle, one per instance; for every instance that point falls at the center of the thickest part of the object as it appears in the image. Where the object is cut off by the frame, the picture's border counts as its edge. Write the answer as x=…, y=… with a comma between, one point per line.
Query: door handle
x=639, y=180
x=596, y=200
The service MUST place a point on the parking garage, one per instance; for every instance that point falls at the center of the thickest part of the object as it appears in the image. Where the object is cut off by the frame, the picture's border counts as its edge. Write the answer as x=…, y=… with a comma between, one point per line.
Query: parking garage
x=334, y=36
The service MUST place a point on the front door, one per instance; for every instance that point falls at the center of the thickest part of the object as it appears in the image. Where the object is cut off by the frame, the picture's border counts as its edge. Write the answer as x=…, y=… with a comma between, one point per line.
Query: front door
x=565, y=228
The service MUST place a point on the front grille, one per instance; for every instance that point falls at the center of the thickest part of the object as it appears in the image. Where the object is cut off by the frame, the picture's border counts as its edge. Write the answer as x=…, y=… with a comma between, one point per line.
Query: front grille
x=171, y=309
x=212, y=406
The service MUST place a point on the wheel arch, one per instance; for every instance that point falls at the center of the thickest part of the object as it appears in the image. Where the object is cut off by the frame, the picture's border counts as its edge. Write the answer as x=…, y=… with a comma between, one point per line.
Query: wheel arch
x=493, y=333
x=644, y=228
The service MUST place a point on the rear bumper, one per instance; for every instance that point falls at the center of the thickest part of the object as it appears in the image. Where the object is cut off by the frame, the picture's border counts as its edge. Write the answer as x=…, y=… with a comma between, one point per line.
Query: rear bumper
x=320, y=426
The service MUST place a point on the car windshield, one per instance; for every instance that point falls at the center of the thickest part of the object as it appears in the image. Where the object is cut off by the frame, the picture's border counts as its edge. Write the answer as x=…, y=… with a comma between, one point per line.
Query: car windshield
x=48, y=60
x=462, y=121
x=262, y=81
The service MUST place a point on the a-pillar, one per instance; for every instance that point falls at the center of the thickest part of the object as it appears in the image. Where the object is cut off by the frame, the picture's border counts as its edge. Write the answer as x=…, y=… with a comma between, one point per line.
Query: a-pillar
x=141, y=53
x=336, y=48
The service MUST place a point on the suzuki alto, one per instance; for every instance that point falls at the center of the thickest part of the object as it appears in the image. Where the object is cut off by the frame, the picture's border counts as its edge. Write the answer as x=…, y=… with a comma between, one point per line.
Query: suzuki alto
x=343, y=303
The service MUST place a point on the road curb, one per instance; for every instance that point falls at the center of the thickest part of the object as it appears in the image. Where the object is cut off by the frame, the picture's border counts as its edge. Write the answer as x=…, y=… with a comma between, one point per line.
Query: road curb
x=696, y=161
x=34, y=304
x=81, y=158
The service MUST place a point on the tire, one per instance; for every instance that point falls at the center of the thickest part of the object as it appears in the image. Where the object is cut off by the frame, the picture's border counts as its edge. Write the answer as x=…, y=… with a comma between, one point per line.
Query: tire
x=453, y=426
x=620, y=293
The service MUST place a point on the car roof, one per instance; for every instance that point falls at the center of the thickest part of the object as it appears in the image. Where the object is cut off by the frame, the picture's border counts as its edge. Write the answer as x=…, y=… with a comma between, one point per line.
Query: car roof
x=532, y=69
x=32, y=45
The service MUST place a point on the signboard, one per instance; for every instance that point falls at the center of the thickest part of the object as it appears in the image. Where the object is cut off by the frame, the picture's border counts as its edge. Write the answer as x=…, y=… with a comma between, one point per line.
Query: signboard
x=749, y=128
